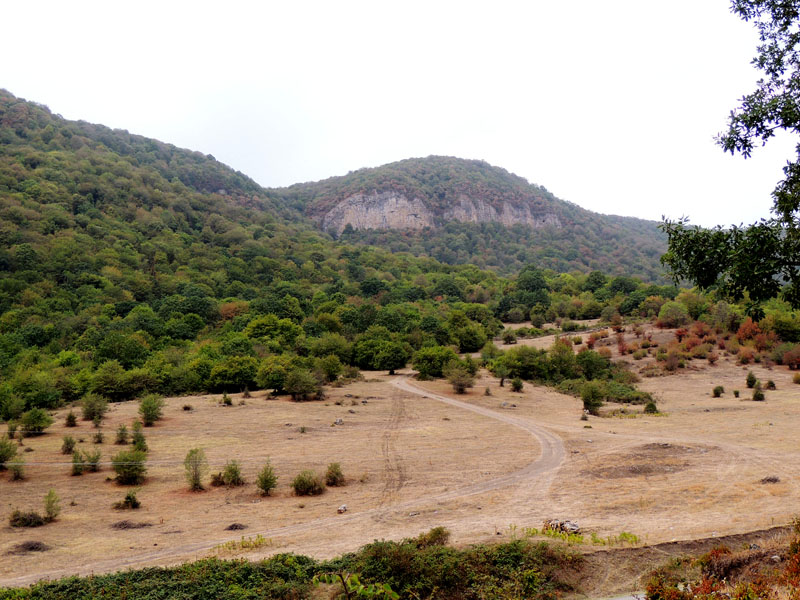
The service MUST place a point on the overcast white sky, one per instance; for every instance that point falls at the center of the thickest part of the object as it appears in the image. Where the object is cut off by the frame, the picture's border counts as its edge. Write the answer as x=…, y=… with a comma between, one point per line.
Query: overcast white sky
x=611, y=105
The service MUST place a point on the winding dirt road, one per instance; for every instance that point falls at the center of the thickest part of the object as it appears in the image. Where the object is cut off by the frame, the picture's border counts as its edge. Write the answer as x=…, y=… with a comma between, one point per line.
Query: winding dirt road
x=538, y=472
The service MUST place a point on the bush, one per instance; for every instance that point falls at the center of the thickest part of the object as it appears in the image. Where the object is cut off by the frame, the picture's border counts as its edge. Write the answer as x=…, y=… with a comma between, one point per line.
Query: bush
x=266, y=480
x=796, y=378
x=758, y=395
x=139, y=442
x=71, y=420
x=770, y=385
x=52, y=506
x=718, y=391
x=751, y=380
x=68, y=444
x=150, y=408
x=735, y=393
x=650, y=408
x=302, y=385
x=592, y=396
x=129, y=465
x=98, y=437
x=334, y=476
x=516, y=384
x=8, y=450
x=122, y=435
x=35, y=421
x=308, y=483
x=232, y=474
x=17, y=469
x=93, y=406
x=130, y=502
x=91, y=459
x=78, y=466
x=26, y=519
x=226, y=400
x=195, y=465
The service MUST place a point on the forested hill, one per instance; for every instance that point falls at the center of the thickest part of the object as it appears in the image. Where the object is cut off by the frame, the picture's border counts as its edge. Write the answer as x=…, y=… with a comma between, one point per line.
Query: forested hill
x=467, y=211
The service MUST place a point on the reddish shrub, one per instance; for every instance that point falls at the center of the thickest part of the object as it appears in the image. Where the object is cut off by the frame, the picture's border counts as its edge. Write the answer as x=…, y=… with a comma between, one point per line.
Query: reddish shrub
x=791, y=358
x=681, y=333
x=748, y=330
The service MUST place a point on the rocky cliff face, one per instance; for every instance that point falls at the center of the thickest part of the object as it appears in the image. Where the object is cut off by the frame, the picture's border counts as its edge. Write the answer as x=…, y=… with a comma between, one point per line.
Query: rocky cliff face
x=392, y=210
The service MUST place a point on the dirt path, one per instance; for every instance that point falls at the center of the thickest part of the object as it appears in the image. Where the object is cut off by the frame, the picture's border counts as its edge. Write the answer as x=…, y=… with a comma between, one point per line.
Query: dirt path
x=540, y=470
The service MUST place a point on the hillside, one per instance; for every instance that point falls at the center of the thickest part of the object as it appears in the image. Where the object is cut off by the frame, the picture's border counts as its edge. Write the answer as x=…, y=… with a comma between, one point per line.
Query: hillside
x=467, y=211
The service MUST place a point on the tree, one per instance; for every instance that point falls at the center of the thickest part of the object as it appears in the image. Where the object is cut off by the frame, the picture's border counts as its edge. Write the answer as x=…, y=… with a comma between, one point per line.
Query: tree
x=759, y=260
x=431, y=360
x=35, y=421
x=302, y=384
x=150, y=408
x=266, y=480
x=195, y=465
x=390, y=356
x=459, y=376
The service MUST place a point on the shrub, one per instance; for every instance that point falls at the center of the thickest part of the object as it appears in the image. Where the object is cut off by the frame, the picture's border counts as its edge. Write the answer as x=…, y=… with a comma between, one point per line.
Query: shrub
x=129, y=465
x=735, y=393
x=718, y=391
x=52, y=506
x=91, y=459
x=217, y=480
x=232, y=474
x=122, y=435
x=308, y=483
x=98, y=437
x=8, y=450
x=758, y=394
x=751, y=380
x=78, y=466
x=35, y=421
x=592, y=396
x=302, y=385
x=71, y=420
x=226, y=400
x=334, y=476
x=266, y=480
x=516, y=384
x=195, y=465
x=17, y=469
x=26, y=519
x=68, y=444
x=130, y=502
x=139, y=442
x=93, y=406
x=796, y=378
x=770, y=385
x=650, y=408
x=150, y=408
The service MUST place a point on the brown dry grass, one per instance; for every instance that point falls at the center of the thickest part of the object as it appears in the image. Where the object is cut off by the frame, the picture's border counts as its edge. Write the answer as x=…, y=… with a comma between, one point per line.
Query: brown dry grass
x=690, y=473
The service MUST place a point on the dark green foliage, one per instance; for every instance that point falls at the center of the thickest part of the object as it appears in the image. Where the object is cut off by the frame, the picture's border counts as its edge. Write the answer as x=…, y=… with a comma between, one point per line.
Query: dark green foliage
x=71, y=420
x=516, y=384
x=130, y=467
x=91, y=458
x=592, y=396
x=650, y=408
x=334, y=476
x=78, y=464
x=138, y=439
x=751, y=380
x=130, y=502
x=26, y=519
x=459, y=376
x=758, y=394
x=308, y=483
x=35, y=421
x=122, y=435
x=431, y=361
x=718, y=391
x=770, y=385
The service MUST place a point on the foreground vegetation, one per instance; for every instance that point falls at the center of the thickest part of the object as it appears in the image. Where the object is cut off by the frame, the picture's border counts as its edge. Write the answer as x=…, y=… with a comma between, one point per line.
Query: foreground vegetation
x=422, y=567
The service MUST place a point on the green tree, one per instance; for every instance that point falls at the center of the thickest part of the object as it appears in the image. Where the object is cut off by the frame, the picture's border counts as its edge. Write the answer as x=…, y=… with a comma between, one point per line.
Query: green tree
x=35, y=421
x=459, y=376
x=391, y=356
x=302, y=384
x=129, y=465
x=266, y=480
x=759, y=260
x=195, y=466
x=431, y=360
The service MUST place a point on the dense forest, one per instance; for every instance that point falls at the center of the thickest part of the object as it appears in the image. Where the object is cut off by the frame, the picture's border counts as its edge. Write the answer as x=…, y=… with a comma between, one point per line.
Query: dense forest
x=584, y=241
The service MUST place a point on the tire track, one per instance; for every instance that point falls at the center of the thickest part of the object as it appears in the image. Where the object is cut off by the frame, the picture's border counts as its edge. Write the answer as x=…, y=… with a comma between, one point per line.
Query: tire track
x=392, y=464
x=541, y=470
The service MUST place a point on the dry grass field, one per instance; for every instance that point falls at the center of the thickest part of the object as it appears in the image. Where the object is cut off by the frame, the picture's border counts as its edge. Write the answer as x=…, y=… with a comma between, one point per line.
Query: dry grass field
x=416, y=456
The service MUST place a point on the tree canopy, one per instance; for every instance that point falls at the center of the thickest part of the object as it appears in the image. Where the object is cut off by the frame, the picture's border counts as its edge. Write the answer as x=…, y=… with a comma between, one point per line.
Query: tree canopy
x=763, y=259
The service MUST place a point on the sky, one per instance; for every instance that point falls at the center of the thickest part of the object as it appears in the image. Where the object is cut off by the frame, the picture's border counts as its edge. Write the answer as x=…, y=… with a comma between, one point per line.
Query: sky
x=613, y=105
